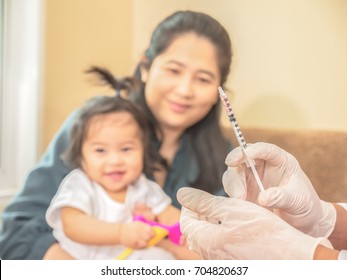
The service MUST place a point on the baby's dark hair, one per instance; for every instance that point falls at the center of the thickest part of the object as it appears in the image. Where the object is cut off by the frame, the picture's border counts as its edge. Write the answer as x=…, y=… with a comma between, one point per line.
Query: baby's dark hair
x=100, y=105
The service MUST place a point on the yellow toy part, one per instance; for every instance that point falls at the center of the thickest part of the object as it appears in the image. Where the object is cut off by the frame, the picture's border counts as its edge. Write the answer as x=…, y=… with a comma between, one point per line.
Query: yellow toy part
x=126, y=253
x=159, y=234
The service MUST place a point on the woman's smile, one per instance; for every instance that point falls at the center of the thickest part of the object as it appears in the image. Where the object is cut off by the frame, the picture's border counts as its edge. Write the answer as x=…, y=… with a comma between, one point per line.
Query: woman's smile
x=178, y=107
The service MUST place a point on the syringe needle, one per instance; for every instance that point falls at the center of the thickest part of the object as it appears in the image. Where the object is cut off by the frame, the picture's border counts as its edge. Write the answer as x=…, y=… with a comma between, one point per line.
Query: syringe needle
x=239, y=136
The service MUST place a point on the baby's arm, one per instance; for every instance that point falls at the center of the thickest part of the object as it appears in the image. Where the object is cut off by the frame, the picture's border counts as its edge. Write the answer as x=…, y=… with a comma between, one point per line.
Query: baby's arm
x=84, y=228
x=170, y=216
x=180, y=252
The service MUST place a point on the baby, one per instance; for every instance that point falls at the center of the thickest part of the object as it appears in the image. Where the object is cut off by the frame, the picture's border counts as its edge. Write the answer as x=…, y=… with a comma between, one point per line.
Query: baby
x=92, y=212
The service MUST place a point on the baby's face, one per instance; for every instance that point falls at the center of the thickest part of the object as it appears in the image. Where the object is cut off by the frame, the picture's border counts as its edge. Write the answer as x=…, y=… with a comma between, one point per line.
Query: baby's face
x=112, y=152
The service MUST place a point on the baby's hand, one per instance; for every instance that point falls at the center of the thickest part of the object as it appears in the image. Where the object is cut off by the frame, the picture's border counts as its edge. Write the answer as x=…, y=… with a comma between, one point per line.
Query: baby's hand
x=141, y=209
x=183, y=240
x=136, y=234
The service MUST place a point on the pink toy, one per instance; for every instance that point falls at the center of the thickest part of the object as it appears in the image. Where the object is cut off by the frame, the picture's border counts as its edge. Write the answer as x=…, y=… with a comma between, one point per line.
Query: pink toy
x=174, y=230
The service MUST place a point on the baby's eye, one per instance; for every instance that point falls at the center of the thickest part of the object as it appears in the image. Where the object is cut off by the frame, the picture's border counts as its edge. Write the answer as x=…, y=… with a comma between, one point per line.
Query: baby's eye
x=127, y=149
x=100, y=150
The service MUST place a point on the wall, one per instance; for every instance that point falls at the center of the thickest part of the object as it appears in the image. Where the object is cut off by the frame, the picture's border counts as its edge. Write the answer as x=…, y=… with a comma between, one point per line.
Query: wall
x=78, y=34
x=290, y=57
x=289, y=67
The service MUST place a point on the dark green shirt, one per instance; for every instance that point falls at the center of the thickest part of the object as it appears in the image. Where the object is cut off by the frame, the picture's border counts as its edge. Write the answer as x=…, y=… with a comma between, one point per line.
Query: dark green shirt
x=184, y=171
x=25, y=233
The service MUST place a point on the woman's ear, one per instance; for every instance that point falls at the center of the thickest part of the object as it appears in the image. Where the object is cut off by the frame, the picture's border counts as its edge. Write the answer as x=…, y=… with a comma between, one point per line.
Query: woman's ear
x=143, y=72
x=144, y=68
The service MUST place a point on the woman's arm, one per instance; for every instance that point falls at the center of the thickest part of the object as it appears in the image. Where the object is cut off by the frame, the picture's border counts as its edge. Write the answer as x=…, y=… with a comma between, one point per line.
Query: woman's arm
x=181, y=252
x=169, y=216
x=25, y=233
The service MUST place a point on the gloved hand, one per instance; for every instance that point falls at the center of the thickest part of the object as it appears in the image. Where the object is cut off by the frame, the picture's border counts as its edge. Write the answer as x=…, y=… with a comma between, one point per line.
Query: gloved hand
x=288, y=190
x=245, y=231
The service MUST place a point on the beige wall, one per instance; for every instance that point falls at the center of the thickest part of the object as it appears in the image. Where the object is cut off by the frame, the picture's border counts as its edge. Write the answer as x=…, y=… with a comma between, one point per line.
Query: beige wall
x=78, y=34
x=290, y=57
x=289, y=67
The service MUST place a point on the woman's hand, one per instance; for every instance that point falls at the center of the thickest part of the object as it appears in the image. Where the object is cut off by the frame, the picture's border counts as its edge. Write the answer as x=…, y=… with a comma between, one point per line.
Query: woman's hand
x=244, y=230
x=289, y=192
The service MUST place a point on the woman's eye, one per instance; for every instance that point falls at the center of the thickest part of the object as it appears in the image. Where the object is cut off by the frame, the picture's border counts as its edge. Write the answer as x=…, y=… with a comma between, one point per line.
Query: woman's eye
x=173, y=70
x=204, y=80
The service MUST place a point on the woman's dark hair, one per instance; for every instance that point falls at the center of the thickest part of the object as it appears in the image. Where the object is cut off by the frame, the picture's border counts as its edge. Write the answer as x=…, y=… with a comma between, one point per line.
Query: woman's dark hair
x=207, y=139
x=104, y=105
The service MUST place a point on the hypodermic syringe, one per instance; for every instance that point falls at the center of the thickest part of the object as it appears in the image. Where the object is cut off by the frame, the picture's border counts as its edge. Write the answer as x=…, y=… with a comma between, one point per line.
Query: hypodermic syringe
x=239, y=135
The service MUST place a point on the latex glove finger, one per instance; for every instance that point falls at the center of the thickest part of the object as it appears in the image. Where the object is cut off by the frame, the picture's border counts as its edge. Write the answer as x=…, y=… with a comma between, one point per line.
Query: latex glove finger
x=238, y=182
x=192, y=226
x=234, y=182
x=274, y=165
x=199, y=202
x=199, y=208
x=260, y=150
x=299, y=205
x=235, y=157
x=274, y=198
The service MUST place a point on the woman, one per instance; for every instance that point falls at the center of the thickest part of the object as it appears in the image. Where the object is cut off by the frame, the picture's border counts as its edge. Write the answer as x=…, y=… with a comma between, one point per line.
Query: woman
x=188, y=57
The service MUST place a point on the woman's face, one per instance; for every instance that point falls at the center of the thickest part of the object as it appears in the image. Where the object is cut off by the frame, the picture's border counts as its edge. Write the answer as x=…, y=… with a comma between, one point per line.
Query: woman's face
x=181, y=84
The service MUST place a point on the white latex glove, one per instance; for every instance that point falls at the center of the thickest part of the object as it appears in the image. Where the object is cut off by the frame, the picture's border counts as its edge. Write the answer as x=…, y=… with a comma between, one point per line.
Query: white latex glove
x=288, y=190
x=245, y=231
